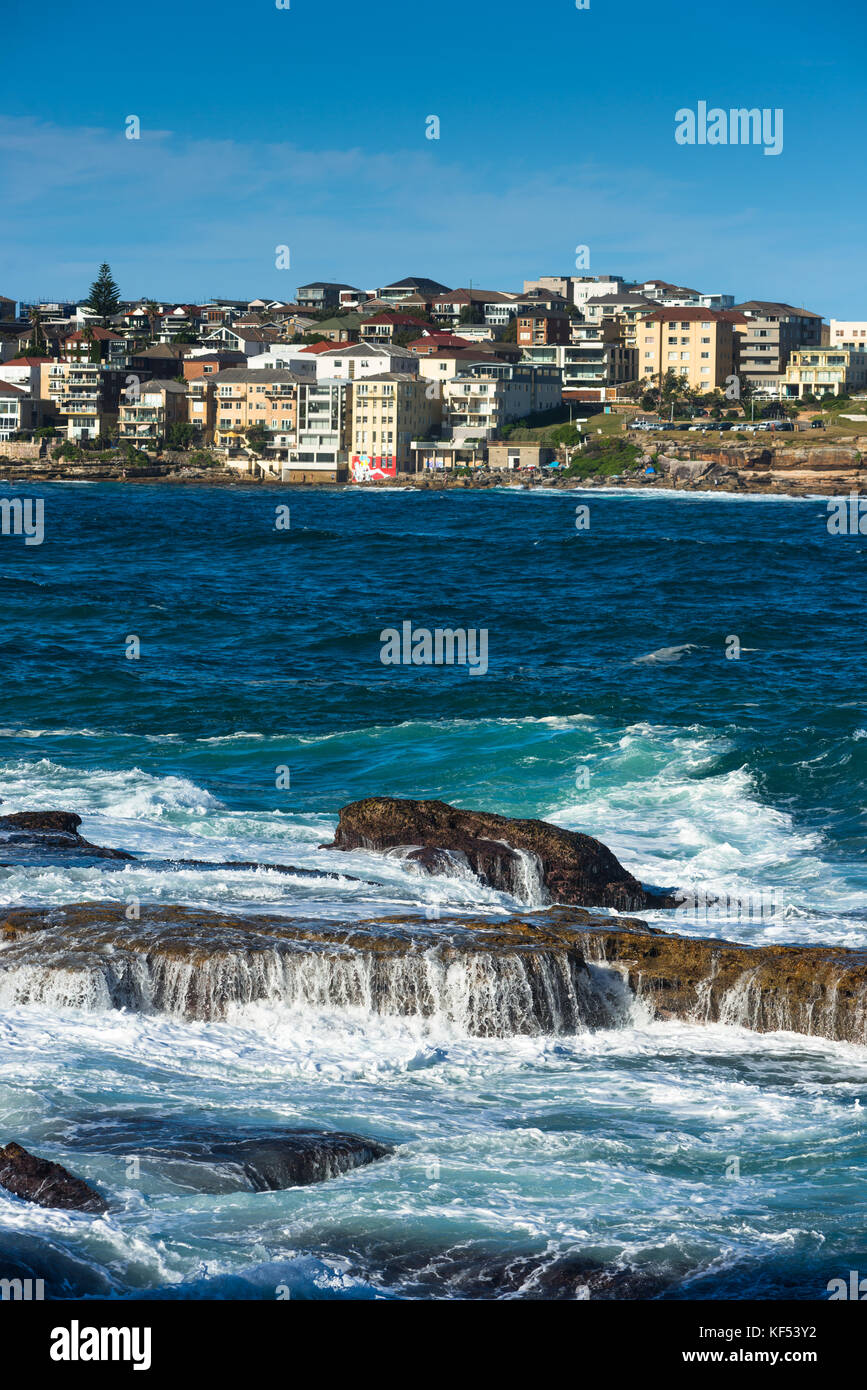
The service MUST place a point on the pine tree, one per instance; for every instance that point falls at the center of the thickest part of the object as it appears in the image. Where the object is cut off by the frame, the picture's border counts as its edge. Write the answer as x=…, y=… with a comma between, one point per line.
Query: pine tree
x=104, y=293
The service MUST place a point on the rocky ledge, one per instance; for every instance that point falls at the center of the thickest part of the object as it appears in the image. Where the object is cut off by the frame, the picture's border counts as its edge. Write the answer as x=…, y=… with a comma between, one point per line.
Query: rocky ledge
x=557, y=971
x=501, y=852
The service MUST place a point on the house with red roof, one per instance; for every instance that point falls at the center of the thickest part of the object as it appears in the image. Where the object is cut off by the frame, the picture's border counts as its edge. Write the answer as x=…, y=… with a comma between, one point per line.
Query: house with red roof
x=95, y=345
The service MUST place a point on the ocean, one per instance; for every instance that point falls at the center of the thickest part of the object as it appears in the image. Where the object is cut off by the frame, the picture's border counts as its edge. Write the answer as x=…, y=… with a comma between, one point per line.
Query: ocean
x=199, y=676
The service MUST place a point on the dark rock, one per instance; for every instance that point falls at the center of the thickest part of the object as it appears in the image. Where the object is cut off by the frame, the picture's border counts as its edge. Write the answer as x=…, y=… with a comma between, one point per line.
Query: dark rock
x=297, y=1158
x=291, y=869
x=45, y=1183
x=574, y=868
x=30, y=836
x=418, y=1268
x=198, y=1158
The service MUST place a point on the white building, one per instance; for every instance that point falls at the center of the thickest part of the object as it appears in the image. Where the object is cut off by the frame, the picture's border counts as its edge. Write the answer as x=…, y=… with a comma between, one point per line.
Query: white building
x=351, y=360
x=586, y=287
x=489, y=395
x=841, y=333
x=289, y=359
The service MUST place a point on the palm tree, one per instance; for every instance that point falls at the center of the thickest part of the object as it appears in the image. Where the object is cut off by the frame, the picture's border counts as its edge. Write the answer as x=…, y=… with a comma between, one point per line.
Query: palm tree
x=153, y=310
x=37, y=341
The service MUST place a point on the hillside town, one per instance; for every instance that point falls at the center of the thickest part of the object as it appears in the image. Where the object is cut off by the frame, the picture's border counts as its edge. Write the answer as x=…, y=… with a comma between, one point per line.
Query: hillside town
x=349, y=384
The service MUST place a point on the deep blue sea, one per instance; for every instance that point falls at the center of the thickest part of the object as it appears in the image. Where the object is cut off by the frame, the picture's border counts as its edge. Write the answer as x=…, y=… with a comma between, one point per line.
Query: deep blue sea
x=683, y=678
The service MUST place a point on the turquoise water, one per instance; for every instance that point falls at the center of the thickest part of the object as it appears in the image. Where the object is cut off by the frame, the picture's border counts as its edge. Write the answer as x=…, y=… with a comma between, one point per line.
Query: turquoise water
x=609, y=706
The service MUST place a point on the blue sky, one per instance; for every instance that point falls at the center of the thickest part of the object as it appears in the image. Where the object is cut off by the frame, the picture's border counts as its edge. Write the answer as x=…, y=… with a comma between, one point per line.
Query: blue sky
x=263, y=127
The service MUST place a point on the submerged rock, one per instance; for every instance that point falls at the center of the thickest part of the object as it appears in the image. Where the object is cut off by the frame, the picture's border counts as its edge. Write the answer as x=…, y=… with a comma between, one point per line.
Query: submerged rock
x=28, y=836
x=252, y=864
x=45, y=1183
x=470, y=1271
x=572, y=868
x=196, y=1157
x=52, y=836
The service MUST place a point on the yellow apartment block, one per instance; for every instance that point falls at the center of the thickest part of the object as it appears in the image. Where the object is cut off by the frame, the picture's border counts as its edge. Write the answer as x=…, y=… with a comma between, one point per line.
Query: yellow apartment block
x=699, y=344
x=387, y=413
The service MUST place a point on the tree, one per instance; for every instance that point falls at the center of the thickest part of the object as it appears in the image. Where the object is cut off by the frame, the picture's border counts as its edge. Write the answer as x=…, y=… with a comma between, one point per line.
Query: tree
x=93, y=352
x=152, y=310
x=104, y=296
x=37, y=342
x=631, y=390
x=257, y=438
x=180, y=434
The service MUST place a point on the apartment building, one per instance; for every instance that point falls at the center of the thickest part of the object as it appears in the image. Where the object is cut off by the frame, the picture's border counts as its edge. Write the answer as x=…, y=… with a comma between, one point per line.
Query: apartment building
x=825, y=370
x=623, y=311
x=14, y=405
x=85, y=396
x=210, y=363
x=699, y=344
x=364, y=360
x=586, y=287
x=245, y=398
x=320, y=451
x=538, y=327
x=563, y=285
x=387, y=413
x=597, y=357
x=26, y=373
x=488, y=395
x=768, y=336
x=146, y=412
x=842, y=333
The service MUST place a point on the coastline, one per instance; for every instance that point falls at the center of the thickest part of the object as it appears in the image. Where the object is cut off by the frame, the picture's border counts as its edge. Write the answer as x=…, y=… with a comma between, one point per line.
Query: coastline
x=827, y=469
